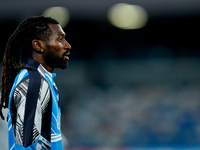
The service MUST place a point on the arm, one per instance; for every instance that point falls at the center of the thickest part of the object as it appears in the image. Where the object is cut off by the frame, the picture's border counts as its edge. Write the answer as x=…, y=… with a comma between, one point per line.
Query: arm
x=30, y=109
x=30, y=116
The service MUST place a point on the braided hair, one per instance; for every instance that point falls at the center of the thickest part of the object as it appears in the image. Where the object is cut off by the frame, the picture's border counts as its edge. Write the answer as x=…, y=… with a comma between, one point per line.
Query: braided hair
x=19, y=47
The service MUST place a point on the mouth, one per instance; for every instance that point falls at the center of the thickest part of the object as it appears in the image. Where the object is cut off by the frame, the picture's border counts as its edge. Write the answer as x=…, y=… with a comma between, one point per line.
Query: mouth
x=66, y=55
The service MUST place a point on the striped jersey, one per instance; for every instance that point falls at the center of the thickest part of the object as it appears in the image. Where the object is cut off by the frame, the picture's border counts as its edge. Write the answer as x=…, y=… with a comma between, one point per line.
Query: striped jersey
x=36, y=114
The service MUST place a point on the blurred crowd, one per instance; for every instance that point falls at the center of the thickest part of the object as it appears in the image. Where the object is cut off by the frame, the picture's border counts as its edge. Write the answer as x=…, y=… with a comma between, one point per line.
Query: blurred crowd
x=140, y=114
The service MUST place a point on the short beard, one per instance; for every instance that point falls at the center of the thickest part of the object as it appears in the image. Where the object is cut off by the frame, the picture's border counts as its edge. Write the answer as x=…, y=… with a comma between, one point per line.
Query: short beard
x=54, y=61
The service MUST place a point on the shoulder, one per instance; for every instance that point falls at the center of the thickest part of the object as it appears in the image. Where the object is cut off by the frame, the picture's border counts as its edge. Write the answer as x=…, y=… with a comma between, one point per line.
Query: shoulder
x=24, y=73
x=20, y=91
x=25, y=76
x=22, y=88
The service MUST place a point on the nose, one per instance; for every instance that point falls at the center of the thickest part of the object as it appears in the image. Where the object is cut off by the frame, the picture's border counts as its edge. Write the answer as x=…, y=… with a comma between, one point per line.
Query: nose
x=67, y=45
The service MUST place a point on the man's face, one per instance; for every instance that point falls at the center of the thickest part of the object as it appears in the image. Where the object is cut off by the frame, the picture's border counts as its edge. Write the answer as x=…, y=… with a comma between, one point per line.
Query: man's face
x=57, y=48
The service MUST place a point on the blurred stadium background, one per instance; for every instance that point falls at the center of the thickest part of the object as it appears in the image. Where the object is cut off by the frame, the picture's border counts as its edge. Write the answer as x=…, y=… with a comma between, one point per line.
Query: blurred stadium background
x=125, y=87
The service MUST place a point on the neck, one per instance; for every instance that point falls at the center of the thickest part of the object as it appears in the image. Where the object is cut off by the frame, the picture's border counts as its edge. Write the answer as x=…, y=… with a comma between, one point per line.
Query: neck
x=41, y=60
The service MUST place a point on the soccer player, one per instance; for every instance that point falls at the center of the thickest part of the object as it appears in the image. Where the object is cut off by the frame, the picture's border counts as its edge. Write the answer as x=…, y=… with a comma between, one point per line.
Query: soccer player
x=28, y=90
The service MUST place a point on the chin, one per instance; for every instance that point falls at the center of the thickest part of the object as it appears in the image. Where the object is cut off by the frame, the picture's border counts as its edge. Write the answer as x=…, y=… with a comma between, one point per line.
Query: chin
x=64, y=66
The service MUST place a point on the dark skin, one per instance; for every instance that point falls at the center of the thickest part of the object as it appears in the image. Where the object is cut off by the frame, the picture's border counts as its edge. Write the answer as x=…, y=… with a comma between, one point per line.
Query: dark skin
x=59, y=47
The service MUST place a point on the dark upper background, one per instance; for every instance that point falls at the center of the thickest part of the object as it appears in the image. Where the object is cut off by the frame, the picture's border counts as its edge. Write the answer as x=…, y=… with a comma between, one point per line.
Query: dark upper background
x=174, y=24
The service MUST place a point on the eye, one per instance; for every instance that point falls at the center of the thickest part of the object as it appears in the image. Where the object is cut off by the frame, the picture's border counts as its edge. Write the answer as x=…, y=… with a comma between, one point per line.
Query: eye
x=61, y=38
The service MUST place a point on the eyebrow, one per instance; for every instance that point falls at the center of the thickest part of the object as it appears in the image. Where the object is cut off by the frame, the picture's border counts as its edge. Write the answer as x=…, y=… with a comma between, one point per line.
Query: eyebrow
x=61, y=34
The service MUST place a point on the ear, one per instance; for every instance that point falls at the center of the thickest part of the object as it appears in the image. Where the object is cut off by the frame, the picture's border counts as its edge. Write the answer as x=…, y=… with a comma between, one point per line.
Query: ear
x=37, y=45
